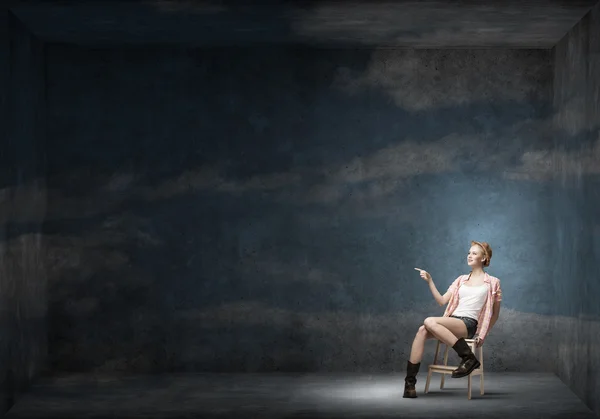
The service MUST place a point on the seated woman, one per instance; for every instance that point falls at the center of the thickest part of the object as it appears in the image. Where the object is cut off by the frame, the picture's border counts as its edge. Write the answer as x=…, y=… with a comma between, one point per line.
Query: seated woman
x=473, y=308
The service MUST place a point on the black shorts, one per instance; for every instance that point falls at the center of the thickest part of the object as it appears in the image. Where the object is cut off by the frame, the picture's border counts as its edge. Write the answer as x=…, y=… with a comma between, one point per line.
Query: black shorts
x=471, y=325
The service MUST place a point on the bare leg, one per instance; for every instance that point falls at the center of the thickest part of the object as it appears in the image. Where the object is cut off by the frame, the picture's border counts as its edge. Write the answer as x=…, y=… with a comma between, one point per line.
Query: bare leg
x=446, y=329
x=418, y=345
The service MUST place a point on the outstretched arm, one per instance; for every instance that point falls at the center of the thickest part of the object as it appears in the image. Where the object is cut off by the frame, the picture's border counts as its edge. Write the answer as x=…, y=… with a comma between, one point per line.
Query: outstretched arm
x=442, y=300
x=439, y=298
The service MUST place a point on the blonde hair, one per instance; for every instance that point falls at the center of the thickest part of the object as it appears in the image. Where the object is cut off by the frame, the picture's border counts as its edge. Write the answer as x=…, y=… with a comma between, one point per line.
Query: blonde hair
x=487, y=251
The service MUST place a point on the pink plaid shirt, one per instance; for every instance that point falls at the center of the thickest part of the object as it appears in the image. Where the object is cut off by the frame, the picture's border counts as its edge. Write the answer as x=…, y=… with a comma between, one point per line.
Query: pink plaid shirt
x=485, y=315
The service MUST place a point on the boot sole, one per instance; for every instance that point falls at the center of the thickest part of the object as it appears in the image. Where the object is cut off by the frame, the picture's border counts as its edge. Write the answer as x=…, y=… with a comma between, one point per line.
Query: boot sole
x=469, y=371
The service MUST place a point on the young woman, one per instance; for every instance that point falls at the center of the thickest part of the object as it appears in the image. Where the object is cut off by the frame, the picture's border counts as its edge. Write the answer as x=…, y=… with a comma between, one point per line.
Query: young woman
x=473, y=308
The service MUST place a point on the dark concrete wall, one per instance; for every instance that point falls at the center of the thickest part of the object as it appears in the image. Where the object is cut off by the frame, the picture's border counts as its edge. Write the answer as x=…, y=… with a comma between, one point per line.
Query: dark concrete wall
x=262, y=209
x=23, y=335
x=323, y=23
x=577, y=161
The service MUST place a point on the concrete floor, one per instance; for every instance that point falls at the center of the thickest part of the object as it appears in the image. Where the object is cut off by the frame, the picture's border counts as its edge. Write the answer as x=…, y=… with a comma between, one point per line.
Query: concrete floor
x=524, y=395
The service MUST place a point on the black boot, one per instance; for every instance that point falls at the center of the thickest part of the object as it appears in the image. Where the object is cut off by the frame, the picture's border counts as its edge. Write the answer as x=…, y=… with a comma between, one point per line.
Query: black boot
x=468, y=360
x=411, y=380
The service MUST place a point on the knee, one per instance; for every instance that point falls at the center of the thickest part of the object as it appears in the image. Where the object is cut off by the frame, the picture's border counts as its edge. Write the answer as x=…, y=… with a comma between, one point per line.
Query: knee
x=422, y=332
x=429, y=322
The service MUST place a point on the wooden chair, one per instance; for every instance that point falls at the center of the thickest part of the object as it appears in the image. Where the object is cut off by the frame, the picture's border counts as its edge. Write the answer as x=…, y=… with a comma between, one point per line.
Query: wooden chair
x=447, y=369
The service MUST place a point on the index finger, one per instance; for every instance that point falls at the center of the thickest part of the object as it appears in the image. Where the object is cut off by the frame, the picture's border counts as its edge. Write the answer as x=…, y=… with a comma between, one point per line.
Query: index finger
x=417, y=269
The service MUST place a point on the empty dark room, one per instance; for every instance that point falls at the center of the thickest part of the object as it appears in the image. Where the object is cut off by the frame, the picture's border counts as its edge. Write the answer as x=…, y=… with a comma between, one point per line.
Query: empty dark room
x=299, y=209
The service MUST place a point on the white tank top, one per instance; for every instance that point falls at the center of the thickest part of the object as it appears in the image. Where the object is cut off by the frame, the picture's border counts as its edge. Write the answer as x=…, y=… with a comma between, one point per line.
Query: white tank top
x=471, y=301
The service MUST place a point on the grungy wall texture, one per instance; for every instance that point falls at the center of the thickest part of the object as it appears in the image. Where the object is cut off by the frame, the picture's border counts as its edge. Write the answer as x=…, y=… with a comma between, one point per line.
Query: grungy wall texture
x=262, y=209
x=23, y=335
x=577, y=161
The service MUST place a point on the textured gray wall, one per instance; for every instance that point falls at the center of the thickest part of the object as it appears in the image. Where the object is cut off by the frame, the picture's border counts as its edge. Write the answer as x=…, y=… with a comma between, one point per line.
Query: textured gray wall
x=577, y=162
x=23, y=335
x=248, y=209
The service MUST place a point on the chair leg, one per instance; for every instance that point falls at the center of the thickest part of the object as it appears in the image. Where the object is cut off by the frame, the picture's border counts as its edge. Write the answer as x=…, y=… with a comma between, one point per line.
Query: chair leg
x=443, y=380
x=428, y=380
x=482, y=391
x=469, y=388
x=481, y=384
x=435, y=357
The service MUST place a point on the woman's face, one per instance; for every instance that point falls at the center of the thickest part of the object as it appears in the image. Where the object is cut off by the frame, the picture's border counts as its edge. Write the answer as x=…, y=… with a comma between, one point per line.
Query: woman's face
x=475, y=256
